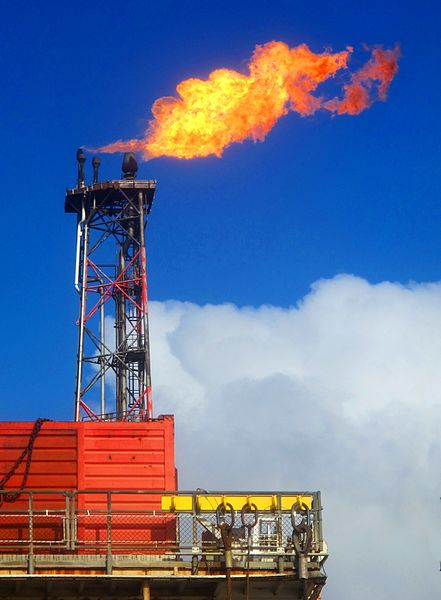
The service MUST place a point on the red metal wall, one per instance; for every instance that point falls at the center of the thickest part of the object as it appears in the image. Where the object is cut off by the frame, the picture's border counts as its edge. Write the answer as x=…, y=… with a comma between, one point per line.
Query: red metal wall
x=88, y=456
x=54, y=460
x=129, y=456
x=92, y=456
x=126, y=456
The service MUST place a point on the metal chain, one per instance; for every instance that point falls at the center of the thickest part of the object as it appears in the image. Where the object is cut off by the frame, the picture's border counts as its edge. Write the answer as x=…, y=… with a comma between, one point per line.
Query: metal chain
x=301, y=537
x=302, y=532
x=27, y=452
x=226, y=530
x=249, y=508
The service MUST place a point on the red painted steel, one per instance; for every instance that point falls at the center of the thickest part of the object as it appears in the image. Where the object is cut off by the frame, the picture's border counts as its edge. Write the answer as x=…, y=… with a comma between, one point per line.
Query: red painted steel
x=145, y=308
x=92, y=456
x=54, y=458
x=127, y=456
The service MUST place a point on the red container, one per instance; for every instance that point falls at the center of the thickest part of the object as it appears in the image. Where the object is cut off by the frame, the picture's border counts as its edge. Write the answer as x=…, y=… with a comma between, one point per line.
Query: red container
x=127, y=456
x=90, y=456
x=93, y=456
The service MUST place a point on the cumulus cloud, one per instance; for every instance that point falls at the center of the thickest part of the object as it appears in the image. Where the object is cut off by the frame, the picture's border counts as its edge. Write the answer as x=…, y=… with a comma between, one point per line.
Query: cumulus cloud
x=341, y=393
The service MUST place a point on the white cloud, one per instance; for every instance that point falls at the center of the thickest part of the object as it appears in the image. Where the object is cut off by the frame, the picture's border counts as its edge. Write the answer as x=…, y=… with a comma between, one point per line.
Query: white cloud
x=340, y=393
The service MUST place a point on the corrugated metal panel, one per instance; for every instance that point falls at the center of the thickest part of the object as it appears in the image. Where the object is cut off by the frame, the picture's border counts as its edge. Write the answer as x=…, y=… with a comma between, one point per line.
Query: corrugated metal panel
x=128, y=456
x=91, y=456
x=54, y=458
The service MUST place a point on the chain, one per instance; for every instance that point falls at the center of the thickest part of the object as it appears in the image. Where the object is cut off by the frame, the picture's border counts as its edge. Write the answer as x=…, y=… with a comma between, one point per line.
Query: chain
x=226, y=530
x=301, y=537
x=27, y=453
x=302, y=532
x=249, y=508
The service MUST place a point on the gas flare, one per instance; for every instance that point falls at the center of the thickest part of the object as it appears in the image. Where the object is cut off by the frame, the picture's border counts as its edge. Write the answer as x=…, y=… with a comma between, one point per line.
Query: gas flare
x=209, y=115
x=380, y=70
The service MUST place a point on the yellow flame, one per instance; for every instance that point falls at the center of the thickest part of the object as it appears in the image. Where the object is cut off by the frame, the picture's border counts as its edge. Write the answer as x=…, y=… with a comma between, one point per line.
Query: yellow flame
x=209, y=115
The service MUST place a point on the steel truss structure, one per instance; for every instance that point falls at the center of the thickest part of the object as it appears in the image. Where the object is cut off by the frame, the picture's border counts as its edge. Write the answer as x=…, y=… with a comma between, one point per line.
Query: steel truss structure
x=113, y=355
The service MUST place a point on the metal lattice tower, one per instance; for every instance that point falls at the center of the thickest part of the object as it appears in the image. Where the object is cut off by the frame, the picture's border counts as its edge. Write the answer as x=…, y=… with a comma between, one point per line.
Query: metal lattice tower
x=113, y=380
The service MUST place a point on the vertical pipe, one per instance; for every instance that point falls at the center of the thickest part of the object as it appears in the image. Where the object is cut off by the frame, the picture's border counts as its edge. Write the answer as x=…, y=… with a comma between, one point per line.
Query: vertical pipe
x=121, y=400
x=78, y=248
x=84, y=241
x=116, y=351
x=194, y=524
x=130, y=377
x=109, y=534
x=122, y=344
x=279, y=523
x=318, y=523
x=31, y=535
x=102, y=350
x=73, y=519
x=66, y=528
x=147, y=365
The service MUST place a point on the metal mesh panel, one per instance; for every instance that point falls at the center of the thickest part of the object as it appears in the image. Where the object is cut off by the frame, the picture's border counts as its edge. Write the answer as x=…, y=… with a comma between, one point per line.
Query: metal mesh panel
x=14, y=529
x=116, y=524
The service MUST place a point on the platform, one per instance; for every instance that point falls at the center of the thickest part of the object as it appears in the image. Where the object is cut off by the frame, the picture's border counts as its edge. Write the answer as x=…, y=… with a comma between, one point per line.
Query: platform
x=106, y=551
x=107, y=194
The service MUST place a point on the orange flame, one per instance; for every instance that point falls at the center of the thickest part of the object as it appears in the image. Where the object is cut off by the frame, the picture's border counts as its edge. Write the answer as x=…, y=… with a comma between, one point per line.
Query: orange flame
x=381, y=68
x=209, y=115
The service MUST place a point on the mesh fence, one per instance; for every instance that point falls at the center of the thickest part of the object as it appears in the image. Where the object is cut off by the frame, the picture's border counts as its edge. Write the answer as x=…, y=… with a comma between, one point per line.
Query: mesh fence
x=46, y=532
x=125, y=531
x=108, y=522
x=14, y=529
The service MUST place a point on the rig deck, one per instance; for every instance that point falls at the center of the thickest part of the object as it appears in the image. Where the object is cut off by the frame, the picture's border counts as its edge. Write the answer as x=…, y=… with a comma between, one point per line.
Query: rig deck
x=198, y=545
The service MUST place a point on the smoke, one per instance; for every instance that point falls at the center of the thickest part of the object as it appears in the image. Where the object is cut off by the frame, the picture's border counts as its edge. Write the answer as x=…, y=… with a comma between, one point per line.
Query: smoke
x=341, y=393
x=209, y=115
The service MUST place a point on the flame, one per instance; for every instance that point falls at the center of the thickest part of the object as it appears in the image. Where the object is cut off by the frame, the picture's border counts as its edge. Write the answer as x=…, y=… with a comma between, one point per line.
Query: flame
x=209, y=115
x=380, y=69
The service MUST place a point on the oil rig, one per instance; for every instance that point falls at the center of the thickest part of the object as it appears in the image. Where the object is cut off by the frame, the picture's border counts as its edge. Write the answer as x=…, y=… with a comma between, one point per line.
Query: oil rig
x=90, y=508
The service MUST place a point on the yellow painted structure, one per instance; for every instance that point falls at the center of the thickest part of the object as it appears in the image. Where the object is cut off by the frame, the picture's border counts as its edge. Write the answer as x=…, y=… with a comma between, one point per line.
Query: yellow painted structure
x=209, y=503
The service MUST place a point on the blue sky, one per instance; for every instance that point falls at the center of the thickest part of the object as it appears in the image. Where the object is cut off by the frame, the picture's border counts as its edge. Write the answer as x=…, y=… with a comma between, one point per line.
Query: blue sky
x=342, y=384
x=320, y=196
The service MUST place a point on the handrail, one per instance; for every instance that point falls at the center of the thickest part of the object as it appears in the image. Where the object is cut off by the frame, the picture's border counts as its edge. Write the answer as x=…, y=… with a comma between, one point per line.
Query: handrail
x=105, y=522
x=165, y=492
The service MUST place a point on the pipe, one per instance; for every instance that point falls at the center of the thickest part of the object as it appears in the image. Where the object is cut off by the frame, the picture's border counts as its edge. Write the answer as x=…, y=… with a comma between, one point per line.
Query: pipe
x=78, y=248
x=81, y=325
x=144, y=304
x=102, y=348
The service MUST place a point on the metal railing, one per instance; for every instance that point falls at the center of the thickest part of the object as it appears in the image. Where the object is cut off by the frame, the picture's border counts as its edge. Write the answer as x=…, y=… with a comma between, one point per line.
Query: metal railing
x=206, y=527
